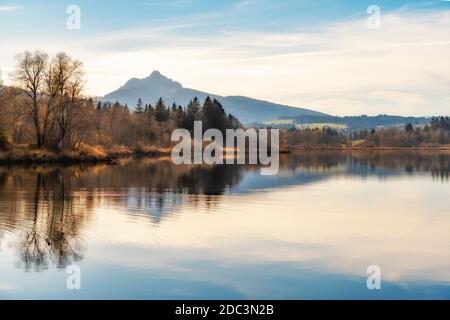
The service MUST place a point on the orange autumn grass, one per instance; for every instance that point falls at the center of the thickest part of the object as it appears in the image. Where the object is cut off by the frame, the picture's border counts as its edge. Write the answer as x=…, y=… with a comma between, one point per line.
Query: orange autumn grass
x=85, y=153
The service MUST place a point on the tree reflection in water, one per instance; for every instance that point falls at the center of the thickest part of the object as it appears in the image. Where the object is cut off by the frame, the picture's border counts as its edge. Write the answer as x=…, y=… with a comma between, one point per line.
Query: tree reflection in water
x=52, y=232
x=47, y=209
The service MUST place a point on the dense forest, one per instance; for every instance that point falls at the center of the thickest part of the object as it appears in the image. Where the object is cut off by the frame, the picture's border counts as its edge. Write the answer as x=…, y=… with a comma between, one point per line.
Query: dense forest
x=47, y=110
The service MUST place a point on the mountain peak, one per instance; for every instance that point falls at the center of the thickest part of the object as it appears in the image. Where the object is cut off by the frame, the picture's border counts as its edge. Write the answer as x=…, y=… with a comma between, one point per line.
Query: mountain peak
x=155, y=80
x=157, y=76
x=156, y=85
x=156, y=73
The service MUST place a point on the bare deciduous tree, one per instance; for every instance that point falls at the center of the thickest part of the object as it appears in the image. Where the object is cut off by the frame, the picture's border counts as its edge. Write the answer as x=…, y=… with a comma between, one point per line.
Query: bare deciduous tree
x=67, y=76
x=30, y=77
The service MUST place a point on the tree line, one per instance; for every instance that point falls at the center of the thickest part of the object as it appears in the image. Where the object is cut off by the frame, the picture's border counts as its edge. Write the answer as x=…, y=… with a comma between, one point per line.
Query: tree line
x=47, y=109
x=436, y=133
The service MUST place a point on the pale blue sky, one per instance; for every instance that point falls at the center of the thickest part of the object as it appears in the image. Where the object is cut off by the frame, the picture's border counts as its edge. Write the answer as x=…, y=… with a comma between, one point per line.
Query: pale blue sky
x=317, y=54
x=271, y=15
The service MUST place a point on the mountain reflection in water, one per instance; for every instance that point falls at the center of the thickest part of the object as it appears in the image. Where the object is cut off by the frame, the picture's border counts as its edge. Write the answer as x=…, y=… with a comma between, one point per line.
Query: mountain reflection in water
x=48, y=214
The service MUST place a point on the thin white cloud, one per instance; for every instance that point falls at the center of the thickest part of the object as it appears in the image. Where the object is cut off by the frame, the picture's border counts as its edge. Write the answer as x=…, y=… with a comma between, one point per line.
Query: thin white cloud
x=245, y=3
x=9, y=8
x=6, y=287
x=172, y=3
x=341, y=68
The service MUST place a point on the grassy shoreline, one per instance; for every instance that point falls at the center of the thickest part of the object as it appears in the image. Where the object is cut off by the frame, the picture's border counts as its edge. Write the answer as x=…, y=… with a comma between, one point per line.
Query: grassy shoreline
x=88, y=155
x=98, y=155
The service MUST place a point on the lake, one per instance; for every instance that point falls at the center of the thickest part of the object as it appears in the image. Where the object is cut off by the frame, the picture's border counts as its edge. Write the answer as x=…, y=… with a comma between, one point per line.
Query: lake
x=147, y=229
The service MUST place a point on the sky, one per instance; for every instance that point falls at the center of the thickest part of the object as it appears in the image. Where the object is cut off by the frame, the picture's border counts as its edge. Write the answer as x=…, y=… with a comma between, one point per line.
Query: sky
x=332, y=56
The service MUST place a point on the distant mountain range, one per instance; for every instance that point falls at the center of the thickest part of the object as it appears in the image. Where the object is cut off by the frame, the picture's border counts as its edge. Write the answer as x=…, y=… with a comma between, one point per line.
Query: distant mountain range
x=247, y=110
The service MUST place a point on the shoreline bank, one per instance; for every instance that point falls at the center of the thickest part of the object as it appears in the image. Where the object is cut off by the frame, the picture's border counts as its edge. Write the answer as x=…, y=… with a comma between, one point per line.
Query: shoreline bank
x=345, y=148
x=42, y=157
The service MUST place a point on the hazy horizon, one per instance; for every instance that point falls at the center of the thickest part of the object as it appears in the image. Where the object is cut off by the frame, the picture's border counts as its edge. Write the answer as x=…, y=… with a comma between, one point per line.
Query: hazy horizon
x=320, y=56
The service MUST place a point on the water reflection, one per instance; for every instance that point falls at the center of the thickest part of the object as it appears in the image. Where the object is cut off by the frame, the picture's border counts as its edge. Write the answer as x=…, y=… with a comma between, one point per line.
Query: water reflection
x=362, y=163
x=49, y=207
x=55, y=216
x=47, y=218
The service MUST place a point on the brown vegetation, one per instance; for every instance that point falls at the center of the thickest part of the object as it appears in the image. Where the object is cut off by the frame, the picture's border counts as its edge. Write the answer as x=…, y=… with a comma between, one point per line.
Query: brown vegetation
x=45, y=117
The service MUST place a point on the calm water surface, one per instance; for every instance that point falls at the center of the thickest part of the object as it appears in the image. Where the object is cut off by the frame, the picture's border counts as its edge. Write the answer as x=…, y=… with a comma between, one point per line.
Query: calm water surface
x=149, y=229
